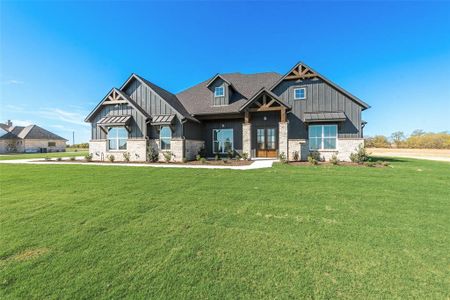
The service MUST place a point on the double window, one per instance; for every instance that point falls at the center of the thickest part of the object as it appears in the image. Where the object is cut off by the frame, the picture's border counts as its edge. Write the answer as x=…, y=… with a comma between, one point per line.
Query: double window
x=299, y=93
x=219, y=91
x=322, y=137
x=222, y=141
x=117, y=138
x=165, y=135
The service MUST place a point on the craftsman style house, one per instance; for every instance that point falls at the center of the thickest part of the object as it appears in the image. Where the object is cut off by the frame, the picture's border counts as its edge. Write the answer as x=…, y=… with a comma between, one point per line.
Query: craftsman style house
x=263, y=115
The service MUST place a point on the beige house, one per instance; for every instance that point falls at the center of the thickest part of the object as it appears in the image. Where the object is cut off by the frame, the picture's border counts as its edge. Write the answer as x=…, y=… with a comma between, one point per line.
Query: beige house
x=29, y=139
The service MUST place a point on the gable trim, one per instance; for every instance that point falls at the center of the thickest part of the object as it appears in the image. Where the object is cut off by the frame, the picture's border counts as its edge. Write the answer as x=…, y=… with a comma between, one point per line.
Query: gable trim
x=258, y=94
x=313, y=74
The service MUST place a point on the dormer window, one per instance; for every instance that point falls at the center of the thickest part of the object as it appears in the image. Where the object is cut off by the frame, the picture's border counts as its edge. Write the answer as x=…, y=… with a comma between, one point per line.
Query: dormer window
x=219, y=91
x=299, y=93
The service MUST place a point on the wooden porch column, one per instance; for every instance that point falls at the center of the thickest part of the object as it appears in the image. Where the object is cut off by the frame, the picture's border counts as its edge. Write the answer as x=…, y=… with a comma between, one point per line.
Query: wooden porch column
x=283, y=114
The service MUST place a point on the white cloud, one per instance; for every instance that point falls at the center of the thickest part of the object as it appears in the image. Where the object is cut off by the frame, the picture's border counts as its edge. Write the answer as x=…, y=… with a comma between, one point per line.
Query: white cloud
x=12, y=81
x=21, y=122
x=15, y=108
x=76, y=118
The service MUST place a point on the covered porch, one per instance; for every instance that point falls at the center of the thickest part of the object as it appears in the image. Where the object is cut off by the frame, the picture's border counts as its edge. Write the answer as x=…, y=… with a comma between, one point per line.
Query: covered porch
x=265, y=131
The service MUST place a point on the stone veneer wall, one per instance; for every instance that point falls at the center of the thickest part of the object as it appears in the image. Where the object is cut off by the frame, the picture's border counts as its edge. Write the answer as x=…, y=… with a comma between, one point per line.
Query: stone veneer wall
x=136, y=147
x=344, y=148
x=247, y=139
x=283, y=139
x=35, y=145
x=299, y=146
x=192, y=147
x=176, y=147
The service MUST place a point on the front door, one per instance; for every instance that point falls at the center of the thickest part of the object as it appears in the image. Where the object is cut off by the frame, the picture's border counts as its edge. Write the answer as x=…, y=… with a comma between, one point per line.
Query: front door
x=266, y=142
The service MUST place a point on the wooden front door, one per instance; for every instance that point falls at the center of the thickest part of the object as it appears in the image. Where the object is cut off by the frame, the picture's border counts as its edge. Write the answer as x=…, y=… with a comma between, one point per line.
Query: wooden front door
x=266, y=142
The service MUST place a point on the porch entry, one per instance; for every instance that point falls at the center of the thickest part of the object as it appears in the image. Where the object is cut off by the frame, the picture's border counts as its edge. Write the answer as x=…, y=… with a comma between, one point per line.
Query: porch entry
x=266, y=142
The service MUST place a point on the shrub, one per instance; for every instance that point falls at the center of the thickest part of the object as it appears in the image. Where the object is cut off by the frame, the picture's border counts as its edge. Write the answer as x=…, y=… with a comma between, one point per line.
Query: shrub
x=72, y=158
x=216, y=157
x=370, y=164
x=203, y=160
x=167, y=156
x=245, y=156
x=201, y=152
x=198, y=157
x=385, y=163
x=315, y=155
x=360, y=156
x=295, y=155
x=153, y=155
x=59, y=159
x=312, y=160
x=126, y=156
x=334, y=159
x=88, y=157
x=225, y=161
x=111, y=158
x=185, y=160
x=47, y=158
x=230, y=154
x=283, y=158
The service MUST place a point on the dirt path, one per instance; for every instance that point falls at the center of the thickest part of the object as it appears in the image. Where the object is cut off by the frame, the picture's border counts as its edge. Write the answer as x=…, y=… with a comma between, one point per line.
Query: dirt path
x=429, y=154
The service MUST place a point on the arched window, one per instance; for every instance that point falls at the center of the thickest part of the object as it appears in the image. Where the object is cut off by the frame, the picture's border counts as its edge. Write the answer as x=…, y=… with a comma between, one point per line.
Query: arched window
x=165, y=135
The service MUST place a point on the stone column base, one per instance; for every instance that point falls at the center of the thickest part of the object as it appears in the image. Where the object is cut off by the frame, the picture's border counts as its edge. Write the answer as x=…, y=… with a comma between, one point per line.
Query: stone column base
x=247, y=139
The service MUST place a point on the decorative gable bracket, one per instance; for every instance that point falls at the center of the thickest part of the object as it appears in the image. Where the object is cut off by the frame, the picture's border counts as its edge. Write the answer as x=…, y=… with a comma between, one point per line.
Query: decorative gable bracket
x=301, y=72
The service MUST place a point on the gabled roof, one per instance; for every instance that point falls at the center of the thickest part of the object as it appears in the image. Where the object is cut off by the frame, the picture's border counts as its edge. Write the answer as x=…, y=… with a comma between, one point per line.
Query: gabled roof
x=317, y=74
x=214, y=79
x=32, y=132
x=125, y=97
x=261, y=92
x=170, y=98
x=198, y=99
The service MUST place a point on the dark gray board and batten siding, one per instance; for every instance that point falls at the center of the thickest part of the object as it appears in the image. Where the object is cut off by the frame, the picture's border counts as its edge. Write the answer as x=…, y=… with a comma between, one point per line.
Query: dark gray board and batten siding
x=320, y=97
x=220, y=101
x=146, y=98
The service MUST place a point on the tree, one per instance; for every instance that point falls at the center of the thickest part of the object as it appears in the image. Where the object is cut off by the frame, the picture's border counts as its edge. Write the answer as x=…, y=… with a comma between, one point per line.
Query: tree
x=398, y=137
x=418, y=132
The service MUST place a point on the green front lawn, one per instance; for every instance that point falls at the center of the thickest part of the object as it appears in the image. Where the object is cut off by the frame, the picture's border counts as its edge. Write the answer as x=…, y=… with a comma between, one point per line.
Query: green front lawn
x=80, y=231
x=41, y=155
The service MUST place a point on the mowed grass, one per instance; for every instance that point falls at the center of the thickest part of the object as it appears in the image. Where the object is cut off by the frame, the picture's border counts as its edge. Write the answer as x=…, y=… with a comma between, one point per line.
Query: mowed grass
x=42, y=155
x=80, y=231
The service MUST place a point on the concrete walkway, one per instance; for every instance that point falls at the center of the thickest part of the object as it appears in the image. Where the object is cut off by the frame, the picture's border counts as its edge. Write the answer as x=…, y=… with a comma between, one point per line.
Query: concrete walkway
x=257, y=164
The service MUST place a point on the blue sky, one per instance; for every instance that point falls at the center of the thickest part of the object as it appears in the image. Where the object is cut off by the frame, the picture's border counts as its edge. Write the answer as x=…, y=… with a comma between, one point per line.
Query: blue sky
x=59, y=59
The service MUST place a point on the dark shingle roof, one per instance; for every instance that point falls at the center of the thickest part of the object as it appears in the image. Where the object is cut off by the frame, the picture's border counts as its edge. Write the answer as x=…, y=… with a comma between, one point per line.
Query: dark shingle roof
x=198, y=99
x=170, y=98
x=35, y=132
x=32, y=132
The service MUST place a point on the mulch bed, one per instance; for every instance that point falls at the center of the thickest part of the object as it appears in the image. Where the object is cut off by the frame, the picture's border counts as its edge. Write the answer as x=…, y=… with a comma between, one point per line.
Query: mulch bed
x=195, y=162
x=342, y=163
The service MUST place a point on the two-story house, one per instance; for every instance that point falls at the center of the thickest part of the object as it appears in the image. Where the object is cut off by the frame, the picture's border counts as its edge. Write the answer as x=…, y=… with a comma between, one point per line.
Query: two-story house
x=263, y=115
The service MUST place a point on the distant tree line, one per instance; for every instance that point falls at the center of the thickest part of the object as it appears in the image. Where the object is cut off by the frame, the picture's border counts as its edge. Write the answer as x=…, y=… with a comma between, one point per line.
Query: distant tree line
x=417, y=139
x=79, y=146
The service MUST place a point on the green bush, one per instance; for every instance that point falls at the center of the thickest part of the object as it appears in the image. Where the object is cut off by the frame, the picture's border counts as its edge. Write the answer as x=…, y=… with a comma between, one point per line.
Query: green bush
x=198, y=157
x=111, y=158
x=245, y=156
x=315, y=155
x=88, y=157
x=334, y=159
x=185, y=160
x=370, y=164
x=203, y=160
x=126, y=156
x=230, y=154
x=216, y=157
x=225, y=161
x=283, y=158
x=312, y=160
x=360, y=156
x=153, y=155
x=59, y=159
x=72, y=158
x=167, y=156
x=201, y=152
x=295, y=155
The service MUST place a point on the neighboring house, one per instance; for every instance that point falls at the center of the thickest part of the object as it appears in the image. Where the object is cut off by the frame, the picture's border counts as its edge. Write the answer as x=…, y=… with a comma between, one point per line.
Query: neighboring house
x=31, y=138
x=263, y=114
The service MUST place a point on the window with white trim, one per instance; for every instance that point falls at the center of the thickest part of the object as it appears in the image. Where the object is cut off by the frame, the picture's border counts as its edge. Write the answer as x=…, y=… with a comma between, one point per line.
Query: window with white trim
x=219, y=91
x=165, y=135
x=322, y=137
x=299, y=93
x=117, y=138
x=222, y=140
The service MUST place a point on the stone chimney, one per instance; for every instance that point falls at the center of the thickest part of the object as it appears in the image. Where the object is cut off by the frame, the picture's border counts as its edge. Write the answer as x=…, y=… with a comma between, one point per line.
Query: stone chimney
x=9, y=123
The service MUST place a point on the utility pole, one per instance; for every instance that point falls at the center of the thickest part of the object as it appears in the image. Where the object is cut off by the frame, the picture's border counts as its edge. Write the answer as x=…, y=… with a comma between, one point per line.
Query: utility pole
x=73, y=138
